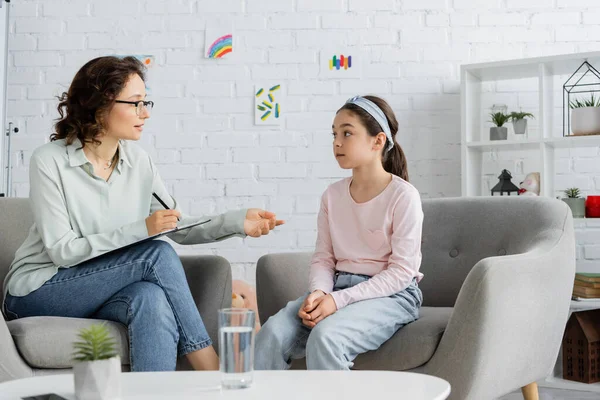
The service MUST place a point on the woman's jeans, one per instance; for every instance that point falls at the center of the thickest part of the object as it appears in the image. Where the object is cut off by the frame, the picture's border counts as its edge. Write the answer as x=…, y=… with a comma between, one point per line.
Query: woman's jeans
x=143, y=287
x=335, y=341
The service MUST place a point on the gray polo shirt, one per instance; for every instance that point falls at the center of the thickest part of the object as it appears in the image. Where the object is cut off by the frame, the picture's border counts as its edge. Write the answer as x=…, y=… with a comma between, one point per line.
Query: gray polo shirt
x=79, y=216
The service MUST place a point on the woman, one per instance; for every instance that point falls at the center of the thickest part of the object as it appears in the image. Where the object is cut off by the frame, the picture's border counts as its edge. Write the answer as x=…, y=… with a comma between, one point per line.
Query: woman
x=91, y=193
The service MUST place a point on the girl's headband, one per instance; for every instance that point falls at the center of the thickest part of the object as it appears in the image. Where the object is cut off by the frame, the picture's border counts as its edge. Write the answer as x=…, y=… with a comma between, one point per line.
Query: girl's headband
x=376, y=113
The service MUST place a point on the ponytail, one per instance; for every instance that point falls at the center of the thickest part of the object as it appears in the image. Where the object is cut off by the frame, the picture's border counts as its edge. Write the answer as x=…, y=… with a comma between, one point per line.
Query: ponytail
x=394, y=161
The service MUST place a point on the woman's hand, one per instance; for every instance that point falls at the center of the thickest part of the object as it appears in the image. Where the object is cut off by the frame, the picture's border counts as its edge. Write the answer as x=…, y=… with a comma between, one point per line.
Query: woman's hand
x=260, y=222
x=323, y=307
x=309, y=305
x=162, y=220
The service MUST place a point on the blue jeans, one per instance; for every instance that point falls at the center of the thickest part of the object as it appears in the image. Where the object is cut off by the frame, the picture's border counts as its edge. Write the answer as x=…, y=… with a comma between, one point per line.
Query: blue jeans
x=143, y=287
x=335, y=342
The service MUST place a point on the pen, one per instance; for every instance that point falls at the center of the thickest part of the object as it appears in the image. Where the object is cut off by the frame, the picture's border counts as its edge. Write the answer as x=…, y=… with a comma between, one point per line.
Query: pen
x=162, y=203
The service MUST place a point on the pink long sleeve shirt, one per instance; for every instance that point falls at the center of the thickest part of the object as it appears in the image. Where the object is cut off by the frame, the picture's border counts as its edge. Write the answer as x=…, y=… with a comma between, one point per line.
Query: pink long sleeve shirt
x=380, y=238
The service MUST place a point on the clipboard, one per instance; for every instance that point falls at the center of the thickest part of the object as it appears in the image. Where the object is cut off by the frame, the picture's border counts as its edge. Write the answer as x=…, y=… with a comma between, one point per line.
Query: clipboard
x=149, y=238
x=177, y=229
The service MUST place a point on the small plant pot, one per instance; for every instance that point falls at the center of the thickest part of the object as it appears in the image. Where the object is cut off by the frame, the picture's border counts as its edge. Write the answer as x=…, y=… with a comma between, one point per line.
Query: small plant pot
x=498, y=133
x=577, y=206
x=520, y=127
x=98, y=380
x=585, y=121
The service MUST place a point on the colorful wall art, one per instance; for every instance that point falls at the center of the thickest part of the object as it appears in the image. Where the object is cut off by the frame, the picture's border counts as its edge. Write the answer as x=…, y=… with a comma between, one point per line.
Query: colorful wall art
x=219, y=40
x=147, y=60
x=341, y=63
x=268, y=101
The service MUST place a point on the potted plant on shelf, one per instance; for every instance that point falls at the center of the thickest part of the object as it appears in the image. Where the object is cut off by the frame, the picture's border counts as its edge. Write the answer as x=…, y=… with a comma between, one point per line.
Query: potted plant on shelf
x=97, y=371
x=575, y=203
x=585, y=116
x=498, y=132
x=519, y=122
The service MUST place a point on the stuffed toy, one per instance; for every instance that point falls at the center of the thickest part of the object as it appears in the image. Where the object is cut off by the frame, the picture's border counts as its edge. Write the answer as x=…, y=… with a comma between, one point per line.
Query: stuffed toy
x=244, y=296
x=531, y=185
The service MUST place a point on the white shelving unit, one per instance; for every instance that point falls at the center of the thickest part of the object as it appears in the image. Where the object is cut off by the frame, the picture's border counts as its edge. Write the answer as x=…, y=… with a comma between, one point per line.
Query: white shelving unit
x=541, y=142
x=555, y=380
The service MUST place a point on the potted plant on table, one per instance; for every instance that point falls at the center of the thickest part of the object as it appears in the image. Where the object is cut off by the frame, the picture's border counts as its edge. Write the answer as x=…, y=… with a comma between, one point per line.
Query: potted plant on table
x=498, y=132
x=97, y=371
x=585, y=116
x=519, y=122
x=575, y=203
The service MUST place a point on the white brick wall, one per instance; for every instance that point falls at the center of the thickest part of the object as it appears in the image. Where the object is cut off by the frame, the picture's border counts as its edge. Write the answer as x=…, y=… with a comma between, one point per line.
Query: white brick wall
x=202, y=135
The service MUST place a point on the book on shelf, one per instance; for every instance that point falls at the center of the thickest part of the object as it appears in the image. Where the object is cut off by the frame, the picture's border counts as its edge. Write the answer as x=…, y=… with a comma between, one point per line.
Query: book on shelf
x=595, y=285
x=586, y=286
x=586, y=292
x=587, y=277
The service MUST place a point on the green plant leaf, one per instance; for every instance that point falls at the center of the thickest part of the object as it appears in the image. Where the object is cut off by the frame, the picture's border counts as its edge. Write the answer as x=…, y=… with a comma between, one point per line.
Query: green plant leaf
x=589, y=102
x=499, y=118
x=95, y=343
x=572, y=193
x=516, y=116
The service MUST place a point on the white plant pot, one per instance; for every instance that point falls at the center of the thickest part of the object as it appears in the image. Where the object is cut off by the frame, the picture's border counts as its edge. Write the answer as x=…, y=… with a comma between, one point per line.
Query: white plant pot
x=520, y=126
x=577, y=206
x=98, y=380
x=585, y=121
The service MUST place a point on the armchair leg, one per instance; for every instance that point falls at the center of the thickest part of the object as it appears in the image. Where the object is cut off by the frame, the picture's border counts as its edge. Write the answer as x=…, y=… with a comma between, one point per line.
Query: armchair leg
x=530, y=392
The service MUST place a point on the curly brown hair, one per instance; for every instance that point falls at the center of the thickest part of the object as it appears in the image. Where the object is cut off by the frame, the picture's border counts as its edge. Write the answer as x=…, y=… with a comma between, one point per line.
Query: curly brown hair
x=91, y=96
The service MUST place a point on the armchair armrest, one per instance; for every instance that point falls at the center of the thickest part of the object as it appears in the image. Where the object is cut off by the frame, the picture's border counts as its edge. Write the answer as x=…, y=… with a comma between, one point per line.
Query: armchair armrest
x=12, y=365
x=508, y=320
x=280, y=278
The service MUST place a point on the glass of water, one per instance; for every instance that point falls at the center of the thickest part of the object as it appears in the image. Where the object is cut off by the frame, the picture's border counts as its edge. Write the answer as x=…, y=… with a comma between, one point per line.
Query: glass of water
x=236, y=347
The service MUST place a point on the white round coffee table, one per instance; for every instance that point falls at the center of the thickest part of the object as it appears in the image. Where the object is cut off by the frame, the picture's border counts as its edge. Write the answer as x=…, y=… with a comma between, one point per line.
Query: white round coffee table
x=294, y=384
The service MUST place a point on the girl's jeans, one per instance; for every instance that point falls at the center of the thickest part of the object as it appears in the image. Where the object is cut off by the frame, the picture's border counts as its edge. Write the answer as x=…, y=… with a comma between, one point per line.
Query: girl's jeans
x=335, y=341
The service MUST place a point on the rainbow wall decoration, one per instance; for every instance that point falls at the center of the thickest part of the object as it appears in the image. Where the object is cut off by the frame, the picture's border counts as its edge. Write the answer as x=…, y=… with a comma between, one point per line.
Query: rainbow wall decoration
x=220, y=47
x=218, y=39
x=267, y=103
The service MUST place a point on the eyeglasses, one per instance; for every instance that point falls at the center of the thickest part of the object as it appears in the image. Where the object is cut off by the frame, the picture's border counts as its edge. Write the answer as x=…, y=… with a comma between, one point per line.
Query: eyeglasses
x=139, y=105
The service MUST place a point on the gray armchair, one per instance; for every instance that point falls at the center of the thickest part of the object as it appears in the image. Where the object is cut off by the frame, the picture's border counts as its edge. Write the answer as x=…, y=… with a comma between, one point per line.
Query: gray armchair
x=497, y=287
x=43, y=345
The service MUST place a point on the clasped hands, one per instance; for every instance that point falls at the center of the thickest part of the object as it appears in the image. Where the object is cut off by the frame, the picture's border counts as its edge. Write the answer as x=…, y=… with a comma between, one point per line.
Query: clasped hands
x=316, y=307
